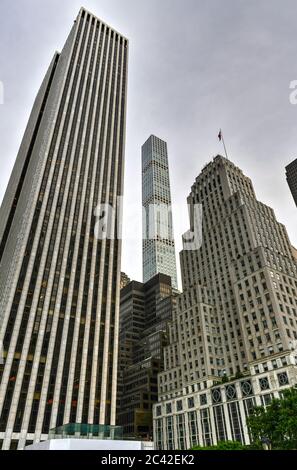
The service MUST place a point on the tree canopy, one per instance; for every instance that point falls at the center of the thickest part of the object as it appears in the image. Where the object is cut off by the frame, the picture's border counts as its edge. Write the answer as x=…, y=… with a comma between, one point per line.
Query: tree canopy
x=277, y=424
x=222, y=445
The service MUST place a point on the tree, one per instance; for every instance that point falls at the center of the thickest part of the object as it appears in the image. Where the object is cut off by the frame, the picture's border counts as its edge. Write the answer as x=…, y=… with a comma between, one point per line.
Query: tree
x=223, y=445
x=277, y=423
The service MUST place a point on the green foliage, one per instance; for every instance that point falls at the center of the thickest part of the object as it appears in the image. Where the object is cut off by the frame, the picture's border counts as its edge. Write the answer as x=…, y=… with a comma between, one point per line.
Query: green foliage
x=239, y=375
x=225, y=379
x=278, y=422
x=223, y=445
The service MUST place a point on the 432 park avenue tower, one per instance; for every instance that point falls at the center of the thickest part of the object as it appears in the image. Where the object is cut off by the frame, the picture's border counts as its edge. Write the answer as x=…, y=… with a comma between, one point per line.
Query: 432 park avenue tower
x=158, y=247
x=59, y=284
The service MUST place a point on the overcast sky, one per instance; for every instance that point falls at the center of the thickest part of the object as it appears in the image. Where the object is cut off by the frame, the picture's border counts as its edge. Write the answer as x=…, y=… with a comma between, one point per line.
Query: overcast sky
x=195, y=66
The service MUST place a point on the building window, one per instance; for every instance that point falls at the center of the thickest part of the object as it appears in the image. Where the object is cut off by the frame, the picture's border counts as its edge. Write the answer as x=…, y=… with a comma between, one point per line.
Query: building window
x=159, y=434
x=230, y=392
x=246, y=388
x=283, y=379
x=274, y=364
x=179, y=405
x=266, y=399
x=191, y=402
x=220, y=423
x=13, y=444
x=249, y=404
x=170, y=433
x=206, y=429
x=158, y=411
x=264, y=383
x=193, y=428
x=203, y=399
x=235, y=421
x=181, y=431
x=168, y=408
x=216, y=395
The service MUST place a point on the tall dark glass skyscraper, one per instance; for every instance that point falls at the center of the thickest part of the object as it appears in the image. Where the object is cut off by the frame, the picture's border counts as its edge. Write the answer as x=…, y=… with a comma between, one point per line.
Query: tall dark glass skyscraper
x=145, y=311
x=291, y=174
x=59, y=284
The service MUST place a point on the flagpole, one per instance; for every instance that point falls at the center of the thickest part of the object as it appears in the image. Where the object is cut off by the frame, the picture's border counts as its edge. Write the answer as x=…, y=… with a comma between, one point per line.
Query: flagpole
x=225, y=147
x=221, y=137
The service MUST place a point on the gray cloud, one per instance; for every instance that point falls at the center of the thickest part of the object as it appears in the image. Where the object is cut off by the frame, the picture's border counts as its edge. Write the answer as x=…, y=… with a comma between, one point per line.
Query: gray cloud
x=195, y=66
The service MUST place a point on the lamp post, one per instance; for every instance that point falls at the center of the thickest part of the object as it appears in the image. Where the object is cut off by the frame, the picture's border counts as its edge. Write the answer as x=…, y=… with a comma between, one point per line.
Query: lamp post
x=266, y=442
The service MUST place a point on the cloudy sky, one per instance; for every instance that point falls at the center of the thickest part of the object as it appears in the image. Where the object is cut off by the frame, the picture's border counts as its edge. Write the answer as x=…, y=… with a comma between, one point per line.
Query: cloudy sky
x=195, y=66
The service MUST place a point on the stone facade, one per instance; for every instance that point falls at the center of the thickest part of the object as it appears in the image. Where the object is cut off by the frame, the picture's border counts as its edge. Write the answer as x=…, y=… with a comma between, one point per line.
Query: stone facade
x=237, y=315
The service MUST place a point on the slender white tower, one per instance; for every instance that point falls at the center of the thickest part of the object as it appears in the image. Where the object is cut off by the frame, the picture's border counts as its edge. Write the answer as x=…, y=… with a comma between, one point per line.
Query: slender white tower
x=158, y=247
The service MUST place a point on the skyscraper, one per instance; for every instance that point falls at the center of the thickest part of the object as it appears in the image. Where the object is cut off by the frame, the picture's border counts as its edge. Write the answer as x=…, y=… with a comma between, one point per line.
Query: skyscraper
x=158, y=248
x=145, y=310
x=59, y=284
x=233, y=340
x=291, y=173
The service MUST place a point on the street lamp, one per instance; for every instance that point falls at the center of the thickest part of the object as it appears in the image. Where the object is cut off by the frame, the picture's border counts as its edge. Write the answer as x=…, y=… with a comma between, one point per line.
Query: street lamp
x=266, y=442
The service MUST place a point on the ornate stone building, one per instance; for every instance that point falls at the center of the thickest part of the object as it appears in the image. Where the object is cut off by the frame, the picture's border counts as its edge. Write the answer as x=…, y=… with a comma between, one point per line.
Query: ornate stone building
x=234, y=335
